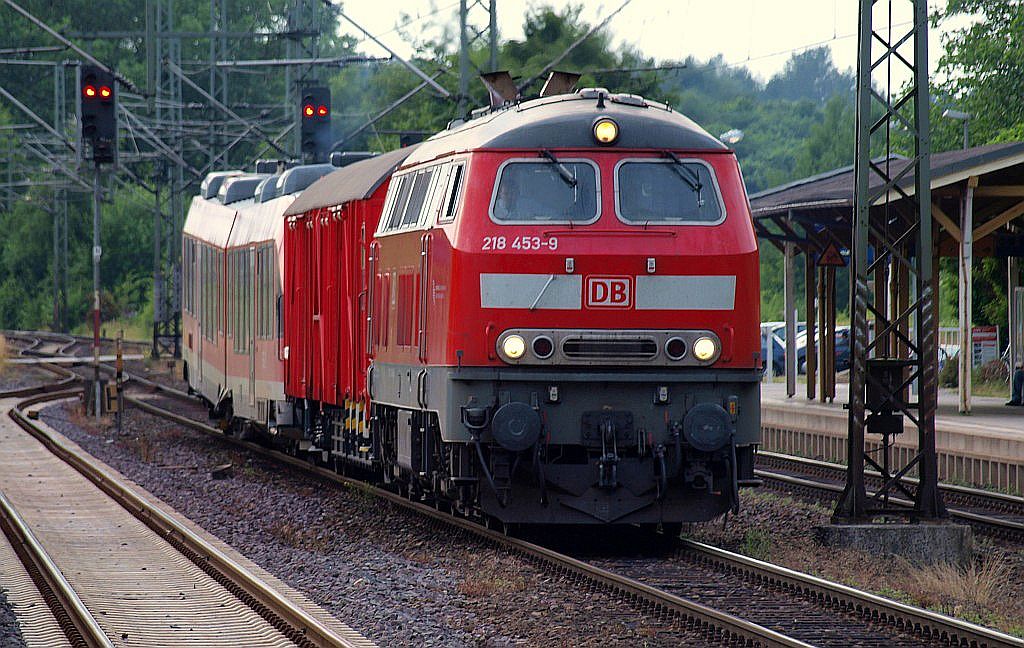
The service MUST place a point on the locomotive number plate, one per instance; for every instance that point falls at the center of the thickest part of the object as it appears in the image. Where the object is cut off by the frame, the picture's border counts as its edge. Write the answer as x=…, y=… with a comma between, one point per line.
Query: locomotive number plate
x=519, y=243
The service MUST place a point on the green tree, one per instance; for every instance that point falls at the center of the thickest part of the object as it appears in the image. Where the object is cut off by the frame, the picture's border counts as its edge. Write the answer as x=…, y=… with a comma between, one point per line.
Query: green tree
x=982, y=66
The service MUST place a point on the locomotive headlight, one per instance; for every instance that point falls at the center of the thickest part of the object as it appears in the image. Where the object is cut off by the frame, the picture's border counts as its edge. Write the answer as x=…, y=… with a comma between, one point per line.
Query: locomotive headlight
x=606, y=131
x=514, y=346
x=704, y=348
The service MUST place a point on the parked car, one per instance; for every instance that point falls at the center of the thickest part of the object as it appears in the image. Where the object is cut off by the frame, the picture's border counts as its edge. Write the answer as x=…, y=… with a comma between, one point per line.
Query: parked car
x=777, y=332
x=842, y=350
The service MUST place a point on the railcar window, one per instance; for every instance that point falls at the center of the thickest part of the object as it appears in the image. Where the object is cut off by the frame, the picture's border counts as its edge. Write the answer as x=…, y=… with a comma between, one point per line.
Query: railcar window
x=401, y=200
x=531, y=191
x=667, y=192
x=417, y=196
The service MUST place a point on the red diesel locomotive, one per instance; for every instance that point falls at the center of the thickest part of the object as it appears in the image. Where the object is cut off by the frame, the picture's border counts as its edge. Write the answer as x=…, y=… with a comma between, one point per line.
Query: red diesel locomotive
x=546, y=314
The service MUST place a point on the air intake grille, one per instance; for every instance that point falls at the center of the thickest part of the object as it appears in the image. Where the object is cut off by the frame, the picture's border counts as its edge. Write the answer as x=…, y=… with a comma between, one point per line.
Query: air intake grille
x=609, y=349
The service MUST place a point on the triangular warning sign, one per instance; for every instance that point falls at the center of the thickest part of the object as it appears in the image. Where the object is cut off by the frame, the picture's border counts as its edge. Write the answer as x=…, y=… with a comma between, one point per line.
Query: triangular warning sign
x=830, y=256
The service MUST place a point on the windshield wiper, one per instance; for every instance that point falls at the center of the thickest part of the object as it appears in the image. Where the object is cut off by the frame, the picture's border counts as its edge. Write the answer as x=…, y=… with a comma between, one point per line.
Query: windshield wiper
x=688, y=175
x=563, y=171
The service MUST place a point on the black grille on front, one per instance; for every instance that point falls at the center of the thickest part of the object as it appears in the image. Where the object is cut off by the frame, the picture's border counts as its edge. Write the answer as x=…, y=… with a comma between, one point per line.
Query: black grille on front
x=598, y=348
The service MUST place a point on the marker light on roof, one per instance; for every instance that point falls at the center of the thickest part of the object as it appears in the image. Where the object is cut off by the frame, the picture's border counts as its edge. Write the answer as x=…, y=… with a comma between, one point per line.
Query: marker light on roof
x=606, y=131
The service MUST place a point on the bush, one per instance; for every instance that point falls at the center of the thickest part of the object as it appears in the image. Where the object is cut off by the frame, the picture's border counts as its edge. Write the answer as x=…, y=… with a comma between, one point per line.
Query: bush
x=990, y=373
x=948, y=375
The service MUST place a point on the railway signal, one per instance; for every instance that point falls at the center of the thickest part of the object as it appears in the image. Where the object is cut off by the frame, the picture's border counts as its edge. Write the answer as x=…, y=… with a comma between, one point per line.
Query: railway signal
x=315, y=120
x=97, y=101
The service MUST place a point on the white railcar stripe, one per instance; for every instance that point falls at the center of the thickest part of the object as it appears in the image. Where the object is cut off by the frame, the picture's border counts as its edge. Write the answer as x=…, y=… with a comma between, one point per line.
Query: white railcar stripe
x=562, y=292
x=685, y=292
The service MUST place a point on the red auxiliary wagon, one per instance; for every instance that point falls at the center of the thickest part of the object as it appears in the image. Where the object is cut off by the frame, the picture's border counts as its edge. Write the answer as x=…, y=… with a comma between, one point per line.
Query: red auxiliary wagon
x=327, y=236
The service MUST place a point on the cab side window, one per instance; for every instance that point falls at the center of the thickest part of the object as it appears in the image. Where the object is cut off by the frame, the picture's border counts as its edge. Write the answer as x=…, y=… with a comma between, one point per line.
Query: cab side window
x=452, y=194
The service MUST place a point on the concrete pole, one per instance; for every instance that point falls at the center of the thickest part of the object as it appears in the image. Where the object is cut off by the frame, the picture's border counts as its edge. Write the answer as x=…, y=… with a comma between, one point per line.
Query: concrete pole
x=966, y=306
x=97, y=252
x=56, y=265
x=492, y=29
x=789, y=289
x=463, y=58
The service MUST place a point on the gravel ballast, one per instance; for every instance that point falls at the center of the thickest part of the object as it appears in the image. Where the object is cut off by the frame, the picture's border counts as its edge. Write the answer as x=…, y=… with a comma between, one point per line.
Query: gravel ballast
x=21, y=376
x=394, y=576
x=10, y=631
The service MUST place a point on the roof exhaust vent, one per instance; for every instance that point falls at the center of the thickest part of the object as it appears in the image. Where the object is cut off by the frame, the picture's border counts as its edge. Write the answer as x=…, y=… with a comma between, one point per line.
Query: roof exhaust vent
x=559, y=83
x=500, y=86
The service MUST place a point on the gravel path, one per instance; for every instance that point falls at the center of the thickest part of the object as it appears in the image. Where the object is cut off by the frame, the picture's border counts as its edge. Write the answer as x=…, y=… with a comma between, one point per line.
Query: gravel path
x=389, y=574
x=10, y=631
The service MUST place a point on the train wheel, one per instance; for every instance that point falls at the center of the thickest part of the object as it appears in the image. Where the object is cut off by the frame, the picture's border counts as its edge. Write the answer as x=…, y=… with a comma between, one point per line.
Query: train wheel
x=671, y=530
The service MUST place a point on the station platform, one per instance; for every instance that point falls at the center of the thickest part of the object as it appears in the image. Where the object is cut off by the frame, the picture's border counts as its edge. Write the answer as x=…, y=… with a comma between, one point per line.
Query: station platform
x=985, y=448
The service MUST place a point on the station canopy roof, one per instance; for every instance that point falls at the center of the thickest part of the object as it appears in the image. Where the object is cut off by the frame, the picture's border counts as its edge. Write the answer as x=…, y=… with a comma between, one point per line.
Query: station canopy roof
x=356, y=181
x=822, y=205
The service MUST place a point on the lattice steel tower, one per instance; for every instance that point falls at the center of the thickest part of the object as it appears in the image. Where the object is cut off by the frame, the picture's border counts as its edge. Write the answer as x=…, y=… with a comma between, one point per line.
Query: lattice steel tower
x=892, y=271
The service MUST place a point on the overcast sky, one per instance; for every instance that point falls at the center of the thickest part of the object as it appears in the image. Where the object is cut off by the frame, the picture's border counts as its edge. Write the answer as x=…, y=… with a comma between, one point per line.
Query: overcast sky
x=758, y=34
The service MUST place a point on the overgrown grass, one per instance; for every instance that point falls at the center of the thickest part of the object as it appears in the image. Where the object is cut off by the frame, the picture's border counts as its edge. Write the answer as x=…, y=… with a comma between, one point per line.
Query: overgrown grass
x=973, y=592
x=756, y=544
x=138, y=328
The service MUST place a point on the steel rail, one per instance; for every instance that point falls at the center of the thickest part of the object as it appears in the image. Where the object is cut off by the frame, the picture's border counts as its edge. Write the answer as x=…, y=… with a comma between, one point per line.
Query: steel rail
x=953, y=489
x=68, y=377
x=924, y=622
x=720, y=622
x=984, y=523
x=293, y=621
x=76, y=621
x=987, y=524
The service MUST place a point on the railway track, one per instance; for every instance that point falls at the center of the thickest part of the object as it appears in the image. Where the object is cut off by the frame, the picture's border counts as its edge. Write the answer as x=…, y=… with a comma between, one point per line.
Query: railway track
x=704, y=586
x=729, y=597
x=994, y=514
x=115, y=569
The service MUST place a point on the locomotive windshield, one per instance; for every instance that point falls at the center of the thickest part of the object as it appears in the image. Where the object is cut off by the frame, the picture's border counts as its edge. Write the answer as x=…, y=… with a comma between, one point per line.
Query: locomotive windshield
x=665, y=191
x=536, y=191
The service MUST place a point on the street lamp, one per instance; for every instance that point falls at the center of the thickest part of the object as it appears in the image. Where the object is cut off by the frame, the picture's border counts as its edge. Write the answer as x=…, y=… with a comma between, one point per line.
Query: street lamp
x=731, y=136
x=959, y=115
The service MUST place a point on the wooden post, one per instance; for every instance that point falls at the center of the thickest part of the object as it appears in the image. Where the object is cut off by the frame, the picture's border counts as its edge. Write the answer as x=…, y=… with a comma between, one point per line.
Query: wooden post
x=965, y=301
x=830, y=335
x=811, y=313
x=1016, y=353
x=823, y=348
x=789, y=289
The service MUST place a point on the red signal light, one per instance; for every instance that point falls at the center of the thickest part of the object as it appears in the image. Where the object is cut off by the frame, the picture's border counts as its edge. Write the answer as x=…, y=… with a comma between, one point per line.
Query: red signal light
x=105, y=92
x=321, y=110
x=89, y=91
x=308, y=110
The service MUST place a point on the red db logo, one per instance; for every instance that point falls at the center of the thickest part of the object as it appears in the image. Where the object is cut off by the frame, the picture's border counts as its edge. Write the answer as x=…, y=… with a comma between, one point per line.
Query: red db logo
x=609, y=292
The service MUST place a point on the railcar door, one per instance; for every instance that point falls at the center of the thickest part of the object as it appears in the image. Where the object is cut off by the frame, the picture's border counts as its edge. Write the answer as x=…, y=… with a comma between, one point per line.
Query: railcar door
x=250, y=330
x=202, y=279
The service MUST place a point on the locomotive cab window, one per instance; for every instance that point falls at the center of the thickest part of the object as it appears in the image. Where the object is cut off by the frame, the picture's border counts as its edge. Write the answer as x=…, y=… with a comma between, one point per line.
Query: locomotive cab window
x=667, y=191
x=452, y=194
x=553, y=190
